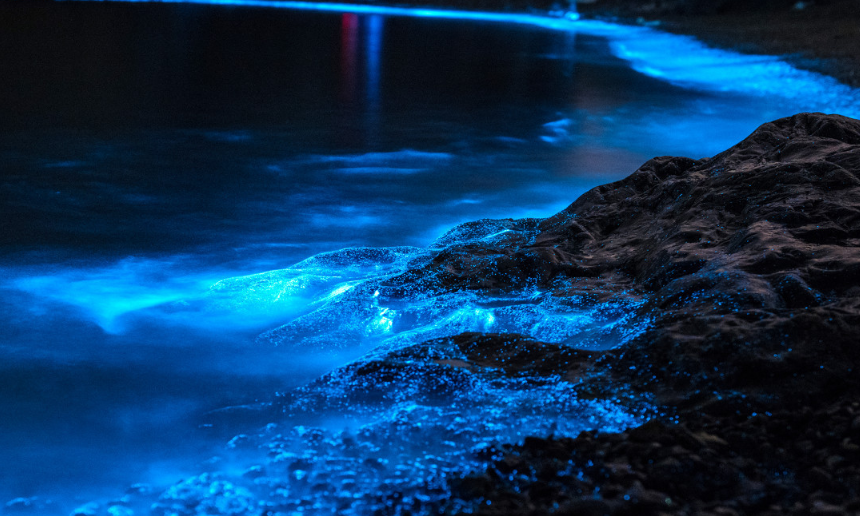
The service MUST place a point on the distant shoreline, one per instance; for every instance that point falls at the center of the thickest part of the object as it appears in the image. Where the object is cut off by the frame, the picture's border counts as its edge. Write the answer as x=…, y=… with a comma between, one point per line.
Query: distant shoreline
x=821, y=36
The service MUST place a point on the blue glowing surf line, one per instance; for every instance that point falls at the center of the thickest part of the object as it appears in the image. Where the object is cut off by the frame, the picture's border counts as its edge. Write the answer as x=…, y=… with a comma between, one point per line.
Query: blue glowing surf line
x=530, y=19
x=681, y=60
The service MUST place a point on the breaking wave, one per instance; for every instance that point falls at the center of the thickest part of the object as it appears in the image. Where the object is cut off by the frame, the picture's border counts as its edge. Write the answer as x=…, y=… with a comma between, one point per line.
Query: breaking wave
x=406, y=419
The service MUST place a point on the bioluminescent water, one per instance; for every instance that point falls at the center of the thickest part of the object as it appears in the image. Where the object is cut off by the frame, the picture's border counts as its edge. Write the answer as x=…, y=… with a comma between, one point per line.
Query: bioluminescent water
x=211, y=211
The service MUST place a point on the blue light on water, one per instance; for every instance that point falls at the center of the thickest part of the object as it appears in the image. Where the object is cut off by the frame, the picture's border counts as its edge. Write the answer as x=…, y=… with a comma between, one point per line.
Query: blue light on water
x=681, y=60
x=689, y=63
x=349, y=44
x=381, y=10
x=375, y=28
x=106, y=294
x=419, y=414
x=400, y=158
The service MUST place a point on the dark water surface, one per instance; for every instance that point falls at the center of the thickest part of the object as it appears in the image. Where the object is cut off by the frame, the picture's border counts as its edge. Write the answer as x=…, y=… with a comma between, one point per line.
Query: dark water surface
x=149, y=150
x=164, y=128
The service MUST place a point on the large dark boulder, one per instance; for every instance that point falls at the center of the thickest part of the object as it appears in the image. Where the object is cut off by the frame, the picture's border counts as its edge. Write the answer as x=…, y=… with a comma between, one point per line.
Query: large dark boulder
x=749, y=266
x=748, y=263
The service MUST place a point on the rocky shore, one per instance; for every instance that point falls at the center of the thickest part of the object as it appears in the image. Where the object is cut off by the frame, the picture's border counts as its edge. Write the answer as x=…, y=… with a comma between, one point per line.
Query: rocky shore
x=722, y=381
x=746, y=267
x=749, y=266
x=720, y=375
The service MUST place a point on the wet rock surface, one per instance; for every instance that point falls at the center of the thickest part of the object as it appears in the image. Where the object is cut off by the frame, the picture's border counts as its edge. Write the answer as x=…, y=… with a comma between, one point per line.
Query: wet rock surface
x=748, y=264
x=789, y=462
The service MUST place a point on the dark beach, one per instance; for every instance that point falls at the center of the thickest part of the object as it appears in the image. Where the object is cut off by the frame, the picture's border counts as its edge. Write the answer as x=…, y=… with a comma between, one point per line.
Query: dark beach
x=698, y=317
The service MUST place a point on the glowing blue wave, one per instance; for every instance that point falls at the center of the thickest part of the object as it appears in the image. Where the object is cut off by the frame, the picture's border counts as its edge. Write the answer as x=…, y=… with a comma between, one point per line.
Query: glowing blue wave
x=106, y=294
x=689, y=63
x=451, y=14
x=406, y=406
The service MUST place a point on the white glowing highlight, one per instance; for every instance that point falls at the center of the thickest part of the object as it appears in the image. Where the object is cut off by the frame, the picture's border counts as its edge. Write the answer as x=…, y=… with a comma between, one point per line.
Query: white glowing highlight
x=338, y=291
x=381, y=324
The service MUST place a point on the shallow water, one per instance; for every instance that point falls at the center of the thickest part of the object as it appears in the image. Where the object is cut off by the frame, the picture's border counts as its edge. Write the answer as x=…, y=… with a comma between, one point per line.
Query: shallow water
x=159, y=159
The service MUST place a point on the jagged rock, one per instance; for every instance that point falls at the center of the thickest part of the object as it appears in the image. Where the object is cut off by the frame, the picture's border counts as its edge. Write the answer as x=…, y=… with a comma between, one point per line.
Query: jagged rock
x=749, y=263
x=746, y=269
